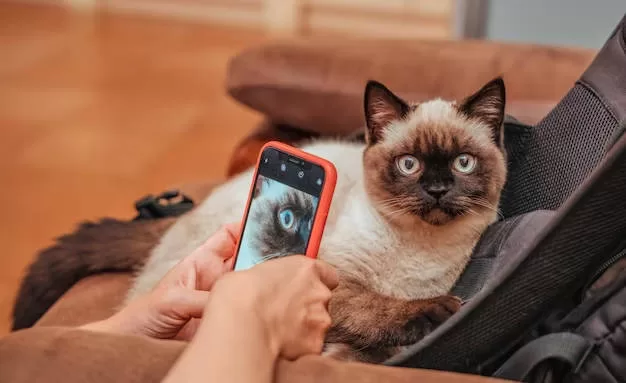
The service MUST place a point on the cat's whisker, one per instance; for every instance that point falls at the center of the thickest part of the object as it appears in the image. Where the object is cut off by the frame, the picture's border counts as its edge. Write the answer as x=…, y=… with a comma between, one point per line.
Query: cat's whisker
x=396, y=213
x=472, y=212
x=488, y=206
x=476, y=230
x=394, y=202
x=270, y=256
x=400, y=211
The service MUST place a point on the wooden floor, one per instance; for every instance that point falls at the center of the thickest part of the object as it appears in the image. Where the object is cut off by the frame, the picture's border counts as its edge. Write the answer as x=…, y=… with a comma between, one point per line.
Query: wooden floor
x=96, y=111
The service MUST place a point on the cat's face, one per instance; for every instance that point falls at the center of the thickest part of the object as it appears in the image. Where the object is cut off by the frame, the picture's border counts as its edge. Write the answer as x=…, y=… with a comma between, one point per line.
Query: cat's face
x=435, y=161
x=284, y=217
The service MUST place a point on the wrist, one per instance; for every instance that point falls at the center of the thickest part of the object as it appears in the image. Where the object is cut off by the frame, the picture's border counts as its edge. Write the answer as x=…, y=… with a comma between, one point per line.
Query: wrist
x=236, y=307
x=105, y=325
x=122, y=322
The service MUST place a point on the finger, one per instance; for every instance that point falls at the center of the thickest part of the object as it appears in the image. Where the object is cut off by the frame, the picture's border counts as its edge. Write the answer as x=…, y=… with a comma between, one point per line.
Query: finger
x=318, y=318
x=220, y=244
x=185, y=303
x=234, y=230
x=322, y=296
x=319, y=323
x=223, y=242
x=215, y=256
x=327, y=274
x=189, y=330
x=180, y=273
x=228, y=264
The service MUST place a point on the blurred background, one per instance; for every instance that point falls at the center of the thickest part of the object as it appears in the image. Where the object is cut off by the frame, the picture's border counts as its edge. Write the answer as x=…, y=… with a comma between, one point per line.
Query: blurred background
x=104, y=101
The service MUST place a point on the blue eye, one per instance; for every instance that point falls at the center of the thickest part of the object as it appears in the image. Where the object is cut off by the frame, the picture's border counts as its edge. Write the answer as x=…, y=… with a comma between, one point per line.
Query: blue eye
x=286, y=218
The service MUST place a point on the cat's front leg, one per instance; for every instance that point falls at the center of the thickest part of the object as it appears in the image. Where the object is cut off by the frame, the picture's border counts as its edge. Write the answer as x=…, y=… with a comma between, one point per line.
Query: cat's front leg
x=350, y=353
x=364, y=319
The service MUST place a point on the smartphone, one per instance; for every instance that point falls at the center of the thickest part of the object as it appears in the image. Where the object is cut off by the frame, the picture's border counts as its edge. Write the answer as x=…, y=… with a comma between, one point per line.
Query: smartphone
x=289, y=200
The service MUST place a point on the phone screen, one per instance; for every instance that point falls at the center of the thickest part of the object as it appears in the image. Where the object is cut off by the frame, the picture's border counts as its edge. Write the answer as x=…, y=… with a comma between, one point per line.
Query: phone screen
x=282, y=208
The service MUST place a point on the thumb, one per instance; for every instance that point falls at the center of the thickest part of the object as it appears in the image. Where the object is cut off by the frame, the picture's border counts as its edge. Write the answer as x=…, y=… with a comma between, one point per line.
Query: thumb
x=186, y=303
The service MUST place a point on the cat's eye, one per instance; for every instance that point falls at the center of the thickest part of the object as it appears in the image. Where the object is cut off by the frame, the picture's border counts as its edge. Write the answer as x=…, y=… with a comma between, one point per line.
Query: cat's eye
x=407, y=164
x=464, y=163
x=286, y=218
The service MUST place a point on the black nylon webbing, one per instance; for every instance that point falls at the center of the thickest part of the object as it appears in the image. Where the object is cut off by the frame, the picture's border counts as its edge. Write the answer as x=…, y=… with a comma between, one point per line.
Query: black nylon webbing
x=564, y=347
x=473, y=278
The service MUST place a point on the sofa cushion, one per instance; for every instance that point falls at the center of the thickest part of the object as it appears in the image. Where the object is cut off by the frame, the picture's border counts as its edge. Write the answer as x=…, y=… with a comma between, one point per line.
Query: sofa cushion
x=318, y=85
x=66, y=355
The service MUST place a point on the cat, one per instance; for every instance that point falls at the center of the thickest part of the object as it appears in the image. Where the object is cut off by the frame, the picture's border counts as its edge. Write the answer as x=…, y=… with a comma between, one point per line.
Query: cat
x=279, y=222
x=409, y=206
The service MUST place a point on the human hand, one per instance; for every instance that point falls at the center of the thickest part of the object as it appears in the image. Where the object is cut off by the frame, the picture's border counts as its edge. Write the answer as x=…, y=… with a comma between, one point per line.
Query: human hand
x=171, y=310
x=286, y=299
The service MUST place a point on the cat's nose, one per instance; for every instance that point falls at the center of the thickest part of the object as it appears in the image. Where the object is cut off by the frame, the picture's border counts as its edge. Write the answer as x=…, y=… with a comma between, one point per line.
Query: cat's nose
x=437, y=191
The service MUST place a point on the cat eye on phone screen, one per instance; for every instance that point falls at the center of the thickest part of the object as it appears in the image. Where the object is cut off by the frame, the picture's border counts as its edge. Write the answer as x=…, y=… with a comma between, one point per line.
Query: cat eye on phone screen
x=283, y=207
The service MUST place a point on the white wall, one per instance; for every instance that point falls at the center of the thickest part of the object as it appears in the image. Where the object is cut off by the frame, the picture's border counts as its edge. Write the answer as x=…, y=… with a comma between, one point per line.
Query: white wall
x=585, y=23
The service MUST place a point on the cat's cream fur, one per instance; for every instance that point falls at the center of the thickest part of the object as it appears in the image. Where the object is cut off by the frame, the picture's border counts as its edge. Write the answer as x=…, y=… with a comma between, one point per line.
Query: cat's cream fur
x=411, y=261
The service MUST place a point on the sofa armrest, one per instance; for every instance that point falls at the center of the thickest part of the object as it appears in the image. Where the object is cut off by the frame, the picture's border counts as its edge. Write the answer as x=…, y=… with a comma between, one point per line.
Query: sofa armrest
x=318, y=85
x=57, y=354
x=67, y=355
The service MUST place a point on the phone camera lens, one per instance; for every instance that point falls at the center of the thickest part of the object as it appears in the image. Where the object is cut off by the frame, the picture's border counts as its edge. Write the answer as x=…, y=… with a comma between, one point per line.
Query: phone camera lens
x=283, y=167
x=301, y=174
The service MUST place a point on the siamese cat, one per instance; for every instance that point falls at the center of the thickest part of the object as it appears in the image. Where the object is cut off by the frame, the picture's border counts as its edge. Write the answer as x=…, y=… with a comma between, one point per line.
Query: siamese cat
x=409, y=206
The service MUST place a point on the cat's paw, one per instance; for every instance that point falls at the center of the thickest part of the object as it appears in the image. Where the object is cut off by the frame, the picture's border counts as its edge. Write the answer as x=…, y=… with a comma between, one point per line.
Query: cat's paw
x=349, y=353
x=427, y=314
x=439, y=309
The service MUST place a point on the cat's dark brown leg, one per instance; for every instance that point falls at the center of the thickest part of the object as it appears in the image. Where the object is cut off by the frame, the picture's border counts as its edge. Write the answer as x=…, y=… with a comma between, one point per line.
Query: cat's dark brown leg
x=365, y=319
x=349, y=353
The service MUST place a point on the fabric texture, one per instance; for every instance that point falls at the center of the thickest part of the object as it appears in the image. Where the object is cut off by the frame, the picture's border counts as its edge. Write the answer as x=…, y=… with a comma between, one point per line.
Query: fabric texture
x=500, y=238
x=561, y=152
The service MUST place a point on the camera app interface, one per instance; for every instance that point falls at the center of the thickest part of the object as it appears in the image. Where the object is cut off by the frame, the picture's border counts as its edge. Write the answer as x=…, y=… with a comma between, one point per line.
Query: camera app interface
x=282, y=209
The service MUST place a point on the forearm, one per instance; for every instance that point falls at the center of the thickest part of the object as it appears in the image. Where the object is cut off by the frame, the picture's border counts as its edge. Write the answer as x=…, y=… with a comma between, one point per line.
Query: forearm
x=230, y=346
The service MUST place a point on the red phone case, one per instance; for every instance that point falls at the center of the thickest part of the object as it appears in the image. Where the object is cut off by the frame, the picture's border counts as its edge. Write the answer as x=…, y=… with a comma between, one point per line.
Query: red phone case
x=326, y=196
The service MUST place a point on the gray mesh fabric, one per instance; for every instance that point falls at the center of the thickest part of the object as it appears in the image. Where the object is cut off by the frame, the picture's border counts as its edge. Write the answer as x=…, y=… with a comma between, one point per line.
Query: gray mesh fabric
x=560, y=153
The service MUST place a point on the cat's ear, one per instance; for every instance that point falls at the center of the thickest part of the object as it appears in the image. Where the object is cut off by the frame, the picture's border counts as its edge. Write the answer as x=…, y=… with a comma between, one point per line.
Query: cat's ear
x=260, y=186
x=487, y=105
x=382, y=107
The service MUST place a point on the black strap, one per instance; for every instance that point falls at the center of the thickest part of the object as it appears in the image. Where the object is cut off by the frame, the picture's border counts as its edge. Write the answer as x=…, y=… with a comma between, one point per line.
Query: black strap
x=473, y=278
x=565, y=347
x=170, y=203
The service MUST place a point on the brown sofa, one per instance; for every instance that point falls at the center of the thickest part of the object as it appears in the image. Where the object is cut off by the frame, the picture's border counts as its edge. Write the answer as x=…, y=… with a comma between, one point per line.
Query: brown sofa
x=305, y=89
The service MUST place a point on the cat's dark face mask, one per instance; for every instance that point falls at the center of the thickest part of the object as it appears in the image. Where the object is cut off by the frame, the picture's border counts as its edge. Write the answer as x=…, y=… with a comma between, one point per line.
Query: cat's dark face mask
x=435, y=185
x=435, y=161
x=449, y=184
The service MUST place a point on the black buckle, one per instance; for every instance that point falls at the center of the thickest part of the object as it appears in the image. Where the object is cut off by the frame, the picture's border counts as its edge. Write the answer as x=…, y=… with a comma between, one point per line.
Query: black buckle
x=170, y=203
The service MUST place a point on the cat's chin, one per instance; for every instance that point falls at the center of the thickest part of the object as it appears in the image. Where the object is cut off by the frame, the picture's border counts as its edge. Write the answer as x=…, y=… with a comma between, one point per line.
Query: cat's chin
x=434, y=217
x=437, y=217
